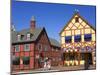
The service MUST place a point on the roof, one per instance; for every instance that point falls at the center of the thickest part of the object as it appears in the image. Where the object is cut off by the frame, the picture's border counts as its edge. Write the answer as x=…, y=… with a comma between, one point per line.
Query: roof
x=54, y=42
x=35, y=34
x=81, y=18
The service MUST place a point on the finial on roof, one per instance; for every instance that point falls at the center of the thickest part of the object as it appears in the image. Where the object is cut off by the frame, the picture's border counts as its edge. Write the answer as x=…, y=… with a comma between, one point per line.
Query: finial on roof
x=76, y=10
x=33, y=18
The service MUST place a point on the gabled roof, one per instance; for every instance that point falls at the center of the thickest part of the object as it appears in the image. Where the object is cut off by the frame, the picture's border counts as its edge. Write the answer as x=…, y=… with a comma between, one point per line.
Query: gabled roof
x=54, y=42
x=81, y=18
x=35, y=34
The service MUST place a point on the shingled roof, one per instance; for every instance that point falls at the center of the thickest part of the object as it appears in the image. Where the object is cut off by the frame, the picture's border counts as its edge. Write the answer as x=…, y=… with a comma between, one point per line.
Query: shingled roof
x=35, y=34
x=54, y=42
x=24, y=32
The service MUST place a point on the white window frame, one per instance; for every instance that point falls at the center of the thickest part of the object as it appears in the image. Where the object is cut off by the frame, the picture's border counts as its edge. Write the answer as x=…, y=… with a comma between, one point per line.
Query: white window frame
x=25, y=47
x=18, y=37
x=28, y=36
x=18, y=48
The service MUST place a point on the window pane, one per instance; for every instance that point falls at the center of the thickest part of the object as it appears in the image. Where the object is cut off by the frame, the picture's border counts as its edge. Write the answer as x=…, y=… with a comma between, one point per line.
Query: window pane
x=19, y=37
x=17, y=48
x=68, y=39
x=27, y=48
x=87, y=37
x=16, y=61
x=26, y=60
x=28, y=36
x=77, y=38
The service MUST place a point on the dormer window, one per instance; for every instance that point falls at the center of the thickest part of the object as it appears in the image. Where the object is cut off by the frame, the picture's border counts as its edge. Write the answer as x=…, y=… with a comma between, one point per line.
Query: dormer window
x=28, y=36
x=20, y=37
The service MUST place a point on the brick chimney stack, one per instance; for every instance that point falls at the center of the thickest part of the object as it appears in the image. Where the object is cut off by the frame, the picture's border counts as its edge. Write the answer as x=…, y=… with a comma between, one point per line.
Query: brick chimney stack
x=32, y=23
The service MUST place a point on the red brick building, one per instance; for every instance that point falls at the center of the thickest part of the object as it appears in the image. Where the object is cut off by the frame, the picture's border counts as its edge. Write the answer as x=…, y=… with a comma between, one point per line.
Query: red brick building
x=30, y=47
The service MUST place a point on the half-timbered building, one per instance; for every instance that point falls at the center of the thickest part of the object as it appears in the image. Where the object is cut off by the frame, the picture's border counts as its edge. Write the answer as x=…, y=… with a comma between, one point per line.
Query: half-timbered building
x=78, y=41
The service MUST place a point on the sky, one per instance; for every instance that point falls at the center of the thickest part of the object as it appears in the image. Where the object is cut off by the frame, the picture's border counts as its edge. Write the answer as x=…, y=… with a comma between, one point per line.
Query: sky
x=52, y=16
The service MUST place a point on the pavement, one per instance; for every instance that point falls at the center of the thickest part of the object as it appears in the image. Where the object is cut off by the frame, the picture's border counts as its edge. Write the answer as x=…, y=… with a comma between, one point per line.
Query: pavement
x=56, y=69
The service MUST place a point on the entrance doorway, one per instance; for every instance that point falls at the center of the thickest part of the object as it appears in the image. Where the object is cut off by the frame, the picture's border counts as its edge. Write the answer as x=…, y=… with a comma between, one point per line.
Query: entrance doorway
x=88, y=58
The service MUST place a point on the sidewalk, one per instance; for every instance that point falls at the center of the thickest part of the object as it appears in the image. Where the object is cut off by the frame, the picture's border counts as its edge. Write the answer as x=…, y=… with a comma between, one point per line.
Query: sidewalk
x=56, y=69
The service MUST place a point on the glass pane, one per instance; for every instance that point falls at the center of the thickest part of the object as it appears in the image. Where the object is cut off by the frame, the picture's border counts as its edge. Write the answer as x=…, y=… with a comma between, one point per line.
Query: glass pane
x=68, y=39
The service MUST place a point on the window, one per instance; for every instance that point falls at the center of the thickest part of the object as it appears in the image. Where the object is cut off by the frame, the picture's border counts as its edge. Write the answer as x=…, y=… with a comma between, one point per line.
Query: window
x=39, y=46
x=28, y=36
x=45, y=47
x=87, y=37
x=82, y=56
x=20, y=37
x=76, y=19
x=26, y=47
x=26, y=60
x=77, y=38
x=16, y=61
x=68, y=39
x=17, y=49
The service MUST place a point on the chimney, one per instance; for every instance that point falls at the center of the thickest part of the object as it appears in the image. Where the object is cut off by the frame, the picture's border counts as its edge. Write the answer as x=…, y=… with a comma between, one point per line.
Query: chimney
x=32, y=23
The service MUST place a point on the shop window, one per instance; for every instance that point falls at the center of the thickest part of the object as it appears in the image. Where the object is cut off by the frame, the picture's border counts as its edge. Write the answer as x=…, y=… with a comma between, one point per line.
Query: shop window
x=17, y=48
x=77, y=38
x=26, y=47
x=26, y=60
x=87, y=37
x=82, y=57
x=68, y=39
x=71, y=57
x=16, y=61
